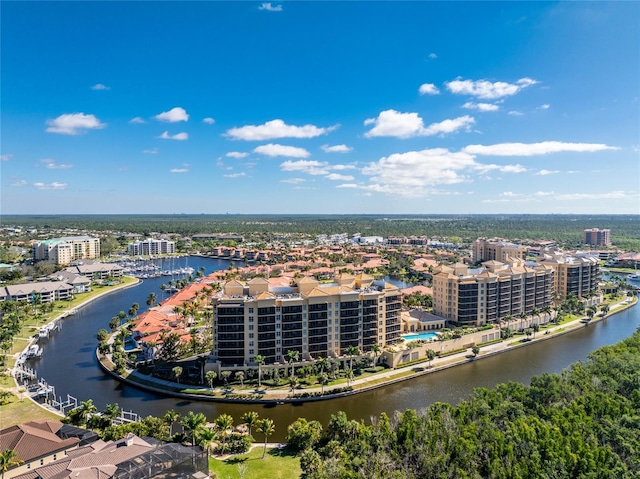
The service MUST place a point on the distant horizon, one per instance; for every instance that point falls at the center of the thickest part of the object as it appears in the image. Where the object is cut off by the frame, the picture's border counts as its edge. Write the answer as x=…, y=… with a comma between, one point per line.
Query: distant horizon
x=381, y=108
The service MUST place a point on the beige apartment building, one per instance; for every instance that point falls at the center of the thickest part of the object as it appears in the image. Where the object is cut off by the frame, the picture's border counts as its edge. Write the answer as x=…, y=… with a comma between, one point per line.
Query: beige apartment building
x=576, y=274
x=316, y=320
x=493, y=291
x=484, y=249
x=65, y=250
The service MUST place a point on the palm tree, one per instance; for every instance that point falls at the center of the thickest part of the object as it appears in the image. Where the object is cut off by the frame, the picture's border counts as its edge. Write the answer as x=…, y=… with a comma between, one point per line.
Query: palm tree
x=523, y=316
x=604, y=309
x=193, y=422
x=210, y=377
x=8, y=459
x=151, y=299
x=536, y=328
x=87, y=408
x=475, y=350
x=169, y=418
x=225, y=377
x=177, y=372
x=323, y=363
x=292, y=356
x=535, y=313
x=293, y=382
x=240, y=377
x=431, y=354
x=250, y=419
x=351, y=352
x=267, y=428
x=323, y=379
x=376, y=350
x=206, y=439
x=547, y=310
x=224, y=423
x=260, y=360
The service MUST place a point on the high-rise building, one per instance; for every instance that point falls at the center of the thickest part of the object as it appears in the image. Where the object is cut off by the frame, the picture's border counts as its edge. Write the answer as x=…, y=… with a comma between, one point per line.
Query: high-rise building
x=494, y=291
x=67, y=249
x=597, y=237
x=576, y=274
x=151, y=247
x=497, y=250
x=314, y=320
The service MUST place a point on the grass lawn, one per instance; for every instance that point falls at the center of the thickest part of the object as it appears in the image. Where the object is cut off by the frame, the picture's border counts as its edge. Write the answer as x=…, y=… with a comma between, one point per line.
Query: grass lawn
x=279, y=464
x=20, y=411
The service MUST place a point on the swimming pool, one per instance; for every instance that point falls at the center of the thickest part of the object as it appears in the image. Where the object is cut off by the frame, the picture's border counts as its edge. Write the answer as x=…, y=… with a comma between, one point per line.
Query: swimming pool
x=423, y=336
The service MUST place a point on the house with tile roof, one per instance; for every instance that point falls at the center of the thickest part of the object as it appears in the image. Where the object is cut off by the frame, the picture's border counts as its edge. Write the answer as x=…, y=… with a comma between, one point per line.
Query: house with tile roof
x=37, y=443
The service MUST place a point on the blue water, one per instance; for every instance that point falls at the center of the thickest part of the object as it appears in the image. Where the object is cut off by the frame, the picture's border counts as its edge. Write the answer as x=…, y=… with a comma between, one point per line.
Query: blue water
x=424, y=336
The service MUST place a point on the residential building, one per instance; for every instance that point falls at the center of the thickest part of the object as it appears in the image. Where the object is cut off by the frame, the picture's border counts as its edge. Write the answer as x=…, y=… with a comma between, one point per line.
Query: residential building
x=492, y=292
x=576, y=274
x=315, y=320
x=127, y=458
x=497, y=250
x=38, y=443
x=151, y=247
x=597, y=237
x=45, y=291
x=66, y=250
x=97, y=270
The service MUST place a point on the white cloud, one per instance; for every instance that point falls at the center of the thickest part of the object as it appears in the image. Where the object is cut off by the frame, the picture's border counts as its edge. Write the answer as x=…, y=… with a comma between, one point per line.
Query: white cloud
x=515, y=113
x=547, y=172
x=412, y=173
x=152, y=151
x=174, y=115
x=433, y=56
x=276, y=129
x=74, y=124
x=52, y=165
x=208, y=120
x=178, y=136
x=336, y=149
x=293, y=181
x=480, y=106
x=100, y=86
x=513, y=169
x=311, y=167
x=338, y=177
x=272, y=149
x=510, y=194
x=544, y=193
x=270, y=8
x=486, y=89
x=50, y=186
x=543, y=107
x=137, y=120
x=407, y=125
x=19, y=183
x=235, y=175
x=428, y=89
x=595, y=196
x=531, y=149
x=179, y=170
x=6, y=157
x=236, y=154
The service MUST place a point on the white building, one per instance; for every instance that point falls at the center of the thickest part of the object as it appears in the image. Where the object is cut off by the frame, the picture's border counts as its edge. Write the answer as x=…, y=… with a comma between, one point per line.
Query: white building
x=151, y=247
x=67, y=249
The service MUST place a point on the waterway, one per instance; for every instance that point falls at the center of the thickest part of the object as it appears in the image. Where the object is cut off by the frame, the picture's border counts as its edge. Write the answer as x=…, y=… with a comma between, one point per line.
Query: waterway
x=69, y=364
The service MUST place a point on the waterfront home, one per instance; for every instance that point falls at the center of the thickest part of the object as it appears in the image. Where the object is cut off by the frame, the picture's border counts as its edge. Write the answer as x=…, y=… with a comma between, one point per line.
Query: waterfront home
x=45, y=291
x=80, y=283
x=97, y=271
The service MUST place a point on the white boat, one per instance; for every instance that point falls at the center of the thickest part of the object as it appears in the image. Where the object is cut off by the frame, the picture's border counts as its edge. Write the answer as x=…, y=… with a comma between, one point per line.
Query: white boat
x=634, y=277
x=34, y=351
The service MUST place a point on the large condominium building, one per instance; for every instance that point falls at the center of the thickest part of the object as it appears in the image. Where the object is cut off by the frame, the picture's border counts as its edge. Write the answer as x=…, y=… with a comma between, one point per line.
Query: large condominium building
x=494, y=291
x=596, y=237
x=65, y=250
x=497, y=250
x=576, y=274
x=150, y=247
x=315, y=320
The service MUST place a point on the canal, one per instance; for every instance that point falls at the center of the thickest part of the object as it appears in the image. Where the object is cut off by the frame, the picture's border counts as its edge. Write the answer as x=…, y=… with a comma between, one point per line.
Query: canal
x=69, y=364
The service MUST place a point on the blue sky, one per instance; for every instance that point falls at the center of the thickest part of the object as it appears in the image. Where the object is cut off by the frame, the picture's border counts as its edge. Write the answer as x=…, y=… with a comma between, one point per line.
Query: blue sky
x=320, y=107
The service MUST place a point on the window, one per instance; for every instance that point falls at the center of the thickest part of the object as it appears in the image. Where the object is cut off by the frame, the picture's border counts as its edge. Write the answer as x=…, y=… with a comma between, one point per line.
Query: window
x=278, y=342
x=251, y=353
x=250, y=335
x=251, y=319
x=251, y=310
x=251, y=327
x=250, y=345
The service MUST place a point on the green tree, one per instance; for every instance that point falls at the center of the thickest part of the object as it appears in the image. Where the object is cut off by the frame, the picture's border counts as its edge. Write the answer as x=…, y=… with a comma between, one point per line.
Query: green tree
x=351, y=352
x=169, y=418
x=210, y=377
x=224, y=423
x=266, y=427
x=177, y=372
x=192, y=422
x=302, y=434
x=431, y=354
x=323, y=379
x=260, y=360
x=292, y=357
x=376, y=350
x=8, y=459
x=475, y=350
x=250, y=419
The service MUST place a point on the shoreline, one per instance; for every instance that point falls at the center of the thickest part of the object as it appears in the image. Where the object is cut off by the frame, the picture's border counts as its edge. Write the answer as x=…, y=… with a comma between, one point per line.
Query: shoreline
x=383, y=379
